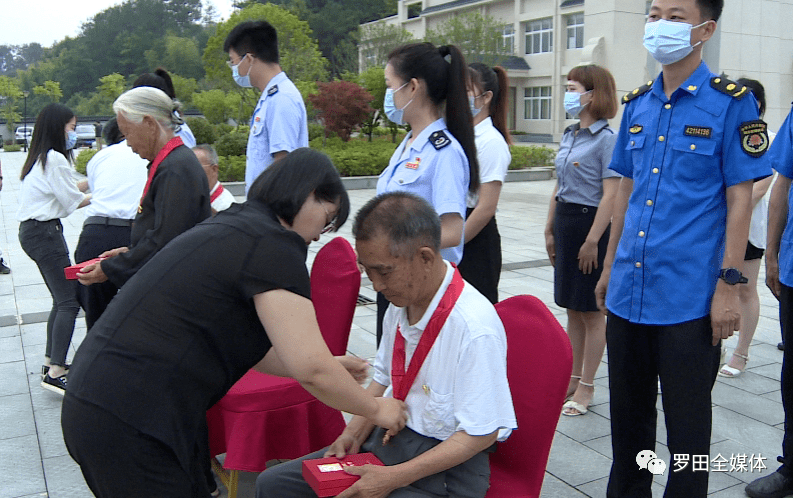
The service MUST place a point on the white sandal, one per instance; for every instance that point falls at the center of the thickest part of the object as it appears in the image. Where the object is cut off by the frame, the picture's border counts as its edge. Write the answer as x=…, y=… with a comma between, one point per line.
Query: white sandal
x=569, y=396
x=574, y=405
x=730, y=372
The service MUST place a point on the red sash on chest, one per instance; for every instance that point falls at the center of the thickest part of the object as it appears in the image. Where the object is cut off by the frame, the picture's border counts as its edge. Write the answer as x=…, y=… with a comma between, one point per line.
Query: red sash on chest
x=169, y=147
x=217, y=193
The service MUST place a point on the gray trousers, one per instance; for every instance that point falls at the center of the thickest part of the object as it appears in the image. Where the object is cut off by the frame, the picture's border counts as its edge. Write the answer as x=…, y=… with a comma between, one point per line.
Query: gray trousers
x=470, y=479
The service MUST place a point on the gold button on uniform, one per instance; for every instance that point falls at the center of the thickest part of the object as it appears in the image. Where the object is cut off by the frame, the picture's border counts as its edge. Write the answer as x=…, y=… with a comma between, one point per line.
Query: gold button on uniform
x=668, y=106
x=661, y=138
x=641, y=234
x=655, y=170
x=638, y=265
x=649, y=202
x=691, y=88
x=693, y=147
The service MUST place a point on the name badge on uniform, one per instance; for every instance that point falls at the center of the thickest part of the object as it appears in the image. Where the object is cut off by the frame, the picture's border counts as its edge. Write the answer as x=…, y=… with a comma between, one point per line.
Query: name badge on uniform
x=698, y=131
x=636, y=128
x=272, y=91
x=754, y=137
x=413, y=164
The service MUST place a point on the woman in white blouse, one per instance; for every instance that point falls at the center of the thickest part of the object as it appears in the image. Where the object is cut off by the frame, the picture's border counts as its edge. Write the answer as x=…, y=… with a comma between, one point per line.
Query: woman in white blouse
x=487, y=94
x=47, y=194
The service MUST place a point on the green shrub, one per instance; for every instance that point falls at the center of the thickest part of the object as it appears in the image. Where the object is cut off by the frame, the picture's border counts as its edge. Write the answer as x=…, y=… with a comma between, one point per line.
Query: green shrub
x=222, y=129
x=356, y=157
x=234, y=143
x=12, y=147
x=203, y=131
x=83, y=157
x=231, y=168
x=531, y=156
x=315, y=130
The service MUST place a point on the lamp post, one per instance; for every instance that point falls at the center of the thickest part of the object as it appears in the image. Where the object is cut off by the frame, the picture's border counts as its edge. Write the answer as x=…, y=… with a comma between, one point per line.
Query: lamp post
x=25, y=119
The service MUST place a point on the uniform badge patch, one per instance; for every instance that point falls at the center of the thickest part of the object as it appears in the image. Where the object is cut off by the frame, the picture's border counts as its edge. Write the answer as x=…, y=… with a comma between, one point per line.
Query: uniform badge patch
x=636, y=128
x=439, y=140
x=754, y=137
x=698, y=131
x=272, y=91
x=413, y=164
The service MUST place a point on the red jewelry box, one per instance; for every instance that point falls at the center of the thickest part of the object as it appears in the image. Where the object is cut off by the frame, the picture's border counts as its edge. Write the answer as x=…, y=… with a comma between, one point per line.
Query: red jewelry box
x=72, y=271
x=326, y=476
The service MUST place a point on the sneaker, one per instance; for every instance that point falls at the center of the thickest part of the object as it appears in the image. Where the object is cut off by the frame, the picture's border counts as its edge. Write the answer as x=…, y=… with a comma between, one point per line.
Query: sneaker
x=56, y=385
x=5, y=270
x=46, y=368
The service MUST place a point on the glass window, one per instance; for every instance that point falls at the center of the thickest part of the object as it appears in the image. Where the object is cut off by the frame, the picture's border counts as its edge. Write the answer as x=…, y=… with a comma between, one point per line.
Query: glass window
x=575, y=30
x=539, y=36
x=537, y=102
x=508, y=39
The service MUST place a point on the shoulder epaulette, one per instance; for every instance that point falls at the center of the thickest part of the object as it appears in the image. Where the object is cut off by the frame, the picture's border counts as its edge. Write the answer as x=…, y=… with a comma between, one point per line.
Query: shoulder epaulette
x=731, y=88
x=638, y=91
x=439, y=140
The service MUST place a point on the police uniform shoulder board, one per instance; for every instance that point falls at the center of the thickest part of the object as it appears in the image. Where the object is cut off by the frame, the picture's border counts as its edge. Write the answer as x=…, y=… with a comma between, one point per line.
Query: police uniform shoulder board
x=272, y=91
x=729, y=87
x=636, y=92
x=439, y=140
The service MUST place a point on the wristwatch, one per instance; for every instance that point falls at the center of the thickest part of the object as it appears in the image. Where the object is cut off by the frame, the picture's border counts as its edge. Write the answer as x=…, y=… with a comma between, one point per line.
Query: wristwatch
x=732, y=276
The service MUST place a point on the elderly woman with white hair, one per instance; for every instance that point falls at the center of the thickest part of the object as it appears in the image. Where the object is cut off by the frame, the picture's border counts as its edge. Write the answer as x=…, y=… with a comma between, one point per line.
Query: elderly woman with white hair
x=176, y=195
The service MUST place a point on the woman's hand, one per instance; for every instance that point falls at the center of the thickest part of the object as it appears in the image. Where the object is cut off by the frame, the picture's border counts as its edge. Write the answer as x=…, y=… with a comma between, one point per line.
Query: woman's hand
x=588, y=257
x=391, y=414
x=357, y=367
x=343, y=445
x=550, y=246
x=113, y=252
x=92, y=274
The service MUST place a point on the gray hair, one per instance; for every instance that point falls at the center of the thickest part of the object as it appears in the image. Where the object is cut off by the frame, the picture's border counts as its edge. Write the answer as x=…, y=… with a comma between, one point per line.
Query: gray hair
x=408, y=220
x=212, y=154
x=149, y=101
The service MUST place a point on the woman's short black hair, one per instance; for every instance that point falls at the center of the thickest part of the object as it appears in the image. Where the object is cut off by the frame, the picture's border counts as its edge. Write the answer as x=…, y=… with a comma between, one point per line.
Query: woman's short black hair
x=48, y=134
x=757, y=89
x=111, y=132
x=287, y=183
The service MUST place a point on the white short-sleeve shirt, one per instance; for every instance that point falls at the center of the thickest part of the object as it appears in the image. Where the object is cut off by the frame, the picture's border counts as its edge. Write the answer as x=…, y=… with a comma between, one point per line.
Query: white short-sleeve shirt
x=492, y=152
x=279, y=123
x=47, y=194
x=465, y=372
x=116, y=176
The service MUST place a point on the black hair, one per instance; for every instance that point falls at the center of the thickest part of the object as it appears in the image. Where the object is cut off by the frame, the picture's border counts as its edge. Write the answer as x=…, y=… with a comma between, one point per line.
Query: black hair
x=409, y=222
x=256, y=37
x=757, y=90
x=286, y=184
x=446, y=82
x=710, y=9
x=494, y=80
x=158, y=79
x=48, y=134
x=111, y=133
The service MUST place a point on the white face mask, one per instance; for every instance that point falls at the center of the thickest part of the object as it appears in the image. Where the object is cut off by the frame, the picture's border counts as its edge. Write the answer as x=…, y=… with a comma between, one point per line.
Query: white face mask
x=391, y=111
x=669, y=42
x=572, y=103
x=472, y=101
x=243, y=81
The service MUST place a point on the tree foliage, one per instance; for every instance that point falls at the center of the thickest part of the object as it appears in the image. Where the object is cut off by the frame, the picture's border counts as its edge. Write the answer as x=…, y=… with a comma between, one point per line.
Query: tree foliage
x=378, y=40
x=342, y=105
x=50, y=89
x=9, y=93
x=218, y=106
x=479, y=37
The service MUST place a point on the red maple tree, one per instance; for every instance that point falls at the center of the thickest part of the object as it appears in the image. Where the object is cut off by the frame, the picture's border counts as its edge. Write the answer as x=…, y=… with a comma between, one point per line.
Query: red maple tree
x=342, y=105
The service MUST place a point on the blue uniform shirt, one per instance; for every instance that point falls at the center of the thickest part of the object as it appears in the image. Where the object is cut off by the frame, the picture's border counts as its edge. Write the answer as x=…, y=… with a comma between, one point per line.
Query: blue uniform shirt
x=278, y=123
x=435, y=168
x=682, y=153
x=780, y=155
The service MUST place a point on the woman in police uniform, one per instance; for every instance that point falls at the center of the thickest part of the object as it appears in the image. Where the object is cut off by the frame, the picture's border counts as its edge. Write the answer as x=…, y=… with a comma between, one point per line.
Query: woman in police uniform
x=437, y=159
x=577, y=231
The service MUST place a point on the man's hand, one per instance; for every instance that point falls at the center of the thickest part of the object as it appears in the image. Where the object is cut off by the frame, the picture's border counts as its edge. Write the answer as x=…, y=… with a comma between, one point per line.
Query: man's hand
x=391, y=415
x=92, y=274
x=376, y=481
x=588, y=257
x=600, y=290
x=357, y=367
x=725, y=311
x=113, y=252
x=344, y=445
x=772, y=277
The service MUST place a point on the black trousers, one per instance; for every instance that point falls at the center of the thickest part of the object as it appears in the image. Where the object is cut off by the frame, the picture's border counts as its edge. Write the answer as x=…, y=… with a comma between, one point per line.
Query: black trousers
x=786, y=319
x=683, y=357
x=481, y=263
x=118, y=461
x=94, y=240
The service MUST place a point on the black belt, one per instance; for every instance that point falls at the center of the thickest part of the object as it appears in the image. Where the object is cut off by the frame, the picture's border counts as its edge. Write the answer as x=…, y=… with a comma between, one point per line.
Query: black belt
x=110, y=222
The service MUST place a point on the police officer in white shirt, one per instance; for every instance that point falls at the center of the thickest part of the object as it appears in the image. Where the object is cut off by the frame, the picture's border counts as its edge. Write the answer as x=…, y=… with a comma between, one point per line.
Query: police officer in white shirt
x=219, y=197
x=279, y=124
x=116, y=177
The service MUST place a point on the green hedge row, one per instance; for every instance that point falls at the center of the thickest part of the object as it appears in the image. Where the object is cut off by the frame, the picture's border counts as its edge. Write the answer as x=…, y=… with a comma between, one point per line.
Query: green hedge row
x=531, y=156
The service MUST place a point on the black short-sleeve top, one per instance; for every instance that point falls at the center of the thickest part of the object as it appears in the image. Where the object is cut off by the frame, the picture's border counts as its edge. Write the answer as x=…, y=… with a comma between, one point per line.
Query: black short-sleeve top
x=184, y=328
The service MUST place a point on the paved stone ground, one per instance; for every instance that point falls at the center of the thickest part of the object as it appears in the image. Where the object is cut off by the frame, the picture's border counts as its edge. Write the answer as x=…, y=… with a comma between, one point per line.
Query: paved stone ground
x=747, y=411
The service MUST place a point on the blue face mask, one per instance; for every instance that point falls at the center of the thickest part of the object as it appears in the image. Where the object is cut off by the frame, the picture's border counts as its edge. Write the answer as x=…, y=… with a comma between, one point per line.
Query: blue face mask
x=243, y=81
x=71, y=139
x=669, y=42
x=394, y=114
x=572, y=103
x=474, y=109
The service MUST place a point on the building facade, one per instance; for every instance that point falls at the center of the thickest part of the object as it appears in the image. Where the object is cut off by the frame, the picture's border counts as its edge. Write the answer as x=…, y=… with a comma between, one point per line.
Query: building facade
x=553, y=36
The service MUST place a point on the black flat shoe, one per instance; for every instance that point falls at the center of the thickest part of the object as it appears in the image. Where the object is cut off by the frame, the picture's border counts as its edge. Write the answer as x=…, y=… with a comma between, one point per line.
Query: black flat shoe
x=774, y=485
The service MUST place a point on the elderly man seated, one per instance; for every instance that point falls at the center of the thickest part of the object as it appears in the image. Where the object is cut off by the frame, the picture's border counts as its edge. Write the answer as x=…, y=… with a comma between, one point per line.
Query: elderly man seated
x=219, y=197
x=443, y=352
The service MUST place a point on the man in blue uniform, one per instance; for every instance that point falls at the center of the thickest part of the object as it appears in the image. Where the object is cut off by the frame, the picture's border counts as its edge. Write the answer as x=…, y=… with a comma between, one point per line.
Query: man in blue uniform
x=689, y=147
x=279, y=124
x=779, y=278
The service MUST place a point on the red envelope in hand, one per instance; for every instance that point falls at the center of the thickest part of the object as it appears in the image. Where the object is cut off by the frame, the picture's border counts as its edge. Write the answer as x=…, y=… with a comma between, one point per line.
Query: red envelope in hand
x=72, y=271
x=326, y=476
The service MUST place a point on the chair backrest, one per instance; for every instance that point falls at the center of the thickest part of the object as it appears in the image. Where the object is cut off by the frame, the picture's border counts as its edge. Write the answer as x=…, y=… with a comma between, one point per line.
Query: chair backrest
x=335, y=282
x=539, y=363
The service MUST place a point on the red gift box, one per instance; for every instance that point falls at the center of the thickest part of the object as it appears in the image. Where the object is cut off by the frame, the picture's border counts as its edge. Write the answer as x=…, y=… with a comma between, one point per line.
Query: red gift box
x=327, y=477
x=72, y=271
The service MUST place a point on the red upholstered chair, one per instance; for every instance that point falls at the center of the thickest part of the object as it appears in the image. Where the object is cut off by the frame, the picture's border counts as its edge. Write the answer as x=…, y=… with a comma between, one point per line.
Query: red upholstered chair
x=264, y=417
x=539, y=362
